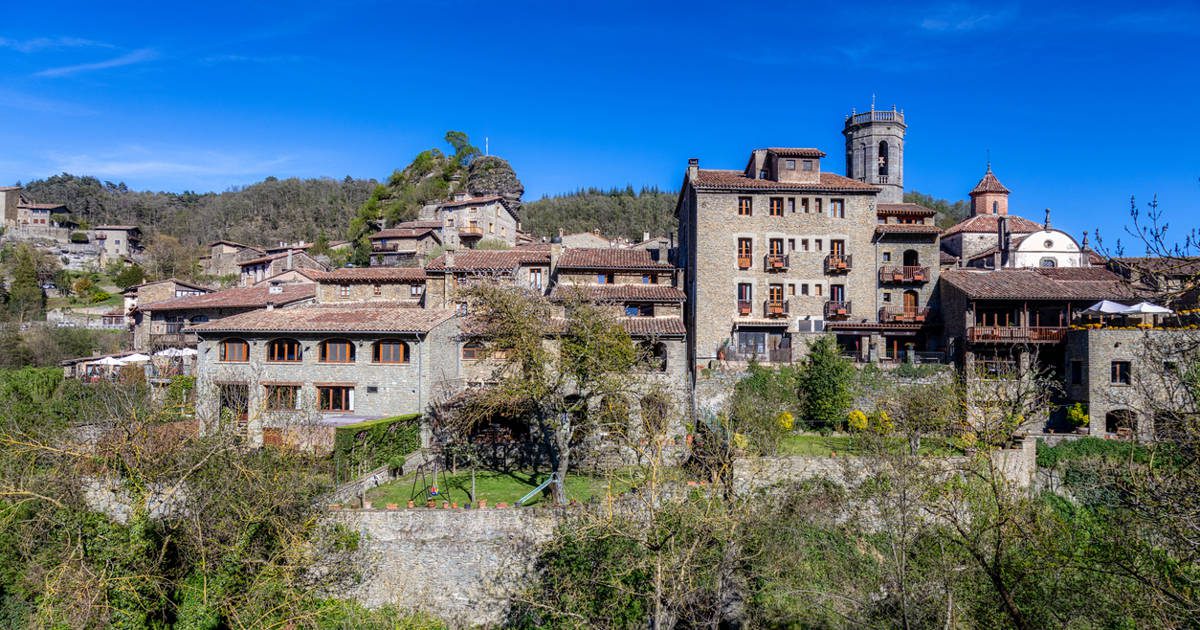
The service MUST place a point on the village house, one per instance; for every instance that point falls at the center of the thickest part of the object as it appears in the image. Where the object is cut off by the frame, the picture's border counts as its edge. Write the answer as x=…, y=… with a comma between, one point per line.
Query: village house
x=466, y=220
x=256, y=270
x=405, y=244
x=225, y=257
x=117, y=242
x=527, y=267
x=398, y=285
x=156, y=291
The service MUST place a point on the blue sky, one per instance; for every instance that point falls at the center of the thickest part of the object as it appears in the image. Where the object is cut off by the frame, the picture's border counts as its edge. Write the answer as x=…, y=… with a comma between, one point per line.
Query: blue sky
x=1080, y=106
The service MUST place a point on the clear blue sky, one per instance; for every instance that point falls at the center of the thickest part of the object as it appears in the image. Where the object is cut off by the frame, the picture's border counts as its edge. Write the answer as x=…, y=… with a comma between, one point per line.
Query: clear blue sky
x=1080, y=106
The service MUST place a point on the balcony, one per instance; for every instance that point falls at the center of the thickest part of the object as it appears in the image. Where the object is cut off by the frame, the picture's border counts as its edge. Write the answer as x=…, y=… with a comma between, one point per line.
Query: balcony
x=1016, y=334
x=744, y=307
x=837, y=310
x=776, y=262
x=907, y=315
x=744, y=262
x=775, y=308
x=839, y=263
x=889, y=274
x=470, y=231
x=782, y=354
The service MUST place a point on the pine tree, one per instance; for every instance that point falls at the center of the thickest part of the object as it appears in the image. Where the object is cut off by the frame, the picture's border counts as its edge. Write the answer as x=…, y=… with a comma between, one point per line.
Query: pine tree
x=26, y=301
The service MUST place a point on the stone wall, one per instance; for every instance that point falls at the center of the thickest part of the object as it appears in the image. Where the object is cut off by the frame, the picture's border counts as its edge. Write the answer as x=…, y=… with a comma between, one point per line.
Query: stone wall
x=464, y=566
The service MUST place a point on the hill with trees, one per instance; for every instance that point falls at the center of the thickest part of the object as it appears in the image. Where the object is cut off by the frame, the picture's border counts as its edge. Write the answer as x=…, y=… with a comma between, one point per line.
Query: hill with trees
x=948, y=212
x=615, y=212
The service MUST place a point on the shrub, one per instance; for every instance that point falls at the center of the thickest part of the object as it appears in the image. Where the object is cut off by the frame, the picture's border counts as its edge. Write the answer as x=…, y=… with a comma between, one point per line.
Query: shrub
x=857, y=420
x=785, y=420
x=364, y=445
x=882, y=423
x=1077, y=415
x=825, y=384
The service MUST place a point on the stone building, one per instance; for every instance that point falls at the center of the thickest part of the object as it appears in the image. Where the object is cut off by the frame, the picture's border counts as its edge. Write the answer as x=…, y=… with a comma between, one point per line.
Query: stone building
x=10, y=198
x=156, y=291
x=324, y=364
x=771, y=252
x=225, y=257
x=255, y=270
x=165, y=323
x=527, y=267
x=397, y=285
x=1173, y=281
x=466, y=220
x=406, y=244
x=875, y=151
x=117, y=242
x=977, y=235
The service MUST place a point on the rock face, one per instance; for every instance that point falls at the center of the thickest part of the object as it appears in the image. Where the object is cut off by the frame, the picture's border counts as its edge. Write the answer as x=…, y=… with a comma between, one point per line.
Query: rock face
x=490, y=175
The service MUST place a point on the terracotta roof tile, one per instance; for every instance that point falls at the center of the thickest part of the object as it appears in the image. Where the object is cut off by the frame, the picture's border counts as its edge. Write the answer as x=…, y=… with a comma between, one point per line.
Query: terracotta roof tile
x=41, y=206
x=472, y=201
x=799, y=152
x=419, y=224
x=946, y=258
x=907, y=228
x=373, y=275
x=1060, y=283
x=619, y=292
x=399, y=232
x=126, y=228
x=609, y=258
x=654, y=326
x=362, y=317
x=903, y=210
x=988, y=223
x=713, y=179
x=483, y=260
x=989, y=184
x=242, y=297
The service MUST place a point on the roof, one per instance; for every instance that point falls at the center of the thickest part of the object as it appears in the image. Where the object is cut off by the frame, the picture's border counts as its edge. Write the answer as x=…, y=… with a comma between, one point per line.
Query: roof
x=903, y=210
x=989, y=184
x=724, y=179
x=8, y=188
x=991, y=251
x=173, y=280
x=124, y=228
x=796, y=152
x=989, y=223
x=946, y=258
x=405, y=232
x=907, y=228
x=235, y=244
x=485, y=260
x=242, y=297
x=619, y=292
x=370, y=275
x=42, y=206
x=473, y=201
x=359, y=317
x=1058, y=283
x=654, y=326
x=270, y=257
x=609, y=258
x=1168, y=266
x=419, y=224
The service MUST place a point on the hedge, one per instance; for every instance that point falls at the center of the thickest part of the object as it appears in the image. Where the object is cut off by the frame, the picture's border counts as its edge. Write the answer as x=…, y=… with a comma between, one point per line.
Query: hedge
x=360, y=447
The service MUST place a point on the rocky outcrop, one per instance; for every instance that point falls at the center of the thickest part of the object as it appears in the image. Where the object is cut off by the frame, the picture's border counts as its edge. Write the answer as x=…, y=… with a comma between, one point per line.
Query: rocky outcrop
x=490, y=175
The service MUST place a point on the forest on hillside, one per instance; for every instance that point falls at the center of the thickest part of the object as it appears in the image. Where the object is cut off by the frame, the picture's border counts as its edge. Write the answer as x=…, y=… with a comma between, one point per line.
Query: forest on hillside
x=615, y=212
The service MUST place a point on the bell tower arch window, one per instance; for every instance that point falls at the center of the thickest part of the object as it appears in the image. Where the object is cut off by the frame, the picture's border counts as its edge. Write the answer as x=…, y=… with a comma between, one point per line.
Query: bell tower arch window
x=883, y=159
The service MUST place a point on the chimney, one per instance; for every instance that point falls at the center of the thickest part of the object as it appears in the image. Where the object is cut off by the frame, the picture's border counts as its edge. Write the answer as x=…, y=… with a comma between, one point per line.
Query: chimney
x=289, y=261
x=449, y=258
x=1046, y=225
x=645, y=236
x=270, y=305
x=1003, y=241
x=693, y=168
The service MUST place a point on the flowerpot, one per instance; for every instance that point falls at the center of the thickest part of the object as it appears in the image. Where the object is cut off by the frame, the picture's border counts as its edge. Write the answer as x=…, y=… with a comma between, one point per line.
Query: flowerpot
x=412, y=504
x=482, y=503
x=431, y=504
x=335, y=506
x=501, y=505
x=454, y=505
x=393, y=506
x=445, y=505
x=366, y=505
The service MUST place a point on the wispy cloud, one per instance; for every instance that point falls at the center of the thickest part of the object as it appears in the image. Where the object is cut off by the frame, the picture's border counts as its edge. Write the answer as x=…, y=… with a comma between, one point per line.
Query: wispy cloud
x=142, y=162
x=10, y=99
x=38, y=44
x=128, y=59
x=962, y=18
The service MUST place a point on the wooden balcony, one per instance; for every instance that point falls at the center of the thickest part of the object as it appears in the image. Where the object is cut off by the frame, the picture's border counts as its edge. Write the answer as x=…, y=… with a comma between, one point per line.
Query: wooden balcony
x=775, y=308
x=776, y=262
x=1016, y=334
x=745, y=262
x=470, y=231
x=906, y=315
x=890, y=274
x=744, y=307
x=837, y=310
x=835, y=263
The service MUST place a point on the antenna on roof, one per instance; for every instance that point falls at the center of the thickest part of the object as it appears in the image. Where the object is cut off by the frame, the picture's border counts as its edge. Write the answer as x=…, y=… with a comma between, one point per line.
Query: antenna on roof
x=872, y=101
x=485, y=146
x=989, y=159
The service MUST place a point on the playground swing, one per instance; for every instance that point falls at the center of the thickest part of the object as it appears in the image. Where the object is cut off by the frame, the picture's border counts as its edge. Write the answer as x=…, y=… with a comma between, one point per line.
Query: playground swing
x=429, y=483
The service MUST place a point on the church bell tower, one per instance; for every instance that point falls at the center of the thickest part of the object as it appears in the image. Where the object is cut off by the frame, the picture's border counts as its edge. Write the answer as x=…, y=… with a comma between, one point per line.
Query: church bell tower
x=875, y=150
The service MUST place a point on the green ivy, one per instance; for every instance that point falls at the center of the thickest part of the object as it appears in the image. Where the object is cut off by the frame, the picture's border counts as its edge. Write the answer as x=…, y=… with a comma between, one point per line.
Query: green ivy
x=364, y=445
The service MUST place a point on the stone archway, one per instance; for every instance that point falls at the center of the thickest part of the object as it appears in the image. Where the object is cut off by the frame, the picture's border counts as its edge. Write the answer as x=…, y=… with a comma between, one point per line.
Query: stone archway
x=1118, y=419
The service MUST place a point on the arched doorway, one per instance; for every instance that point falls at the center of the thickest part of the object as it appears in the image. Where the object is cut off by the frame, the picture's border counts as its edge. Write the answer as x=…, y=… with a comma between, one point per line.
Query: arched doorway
x=911, y=258
x=1120, y=421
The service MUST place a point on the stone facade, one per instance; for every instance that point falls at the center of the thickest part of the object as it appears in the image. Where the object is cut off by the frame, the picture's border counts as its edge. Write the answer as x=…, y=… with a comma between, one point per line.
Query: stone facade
x=467, y=220
x=255, y=270
x=875, y=151
x=118, y=242
x=225, y=257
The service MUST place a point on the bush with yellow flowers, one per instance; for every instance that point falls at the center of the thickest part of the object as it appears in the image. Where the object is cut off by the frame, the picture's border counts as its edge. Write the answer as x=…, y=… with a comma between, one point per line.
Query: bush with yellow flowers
x=857, y=420
x=785, y=420
x=882, y=423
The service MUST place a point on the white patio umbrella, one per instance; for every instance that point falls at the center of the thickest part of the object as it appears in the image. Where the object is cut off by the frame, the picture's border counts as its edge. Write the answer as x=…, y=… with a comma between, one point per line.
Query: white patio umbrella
x=108, y=361
x=1146, y=308
x=135, y=358
x=176, y=352
x=1105, y=307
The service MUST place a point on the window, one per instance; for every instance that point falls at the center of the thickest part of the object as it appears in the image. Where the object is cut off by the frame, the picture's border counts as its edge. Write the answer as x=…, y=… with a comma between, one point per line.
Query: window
x=817, y=289
x=335, y=398
x=639, y=310
x=791, y=289
x=649, y=278
x=804, y=204
x=745, y=248
x=817, y=207
x=792, y=205
x=837, y=208
x=235, y=351
x=790, y=165
x=604, y=278
x=820, y=247
x=343, y=290
x=1048, y=244
x=745, y=292
x=775, y=293
x=837, y=292
x=1076, y=372
x=1047, y=262
x=472, y=350
x=775, y=246
x=744, y=207
x=415, y=290
x=283, y=350
x=535, y=279
x=808, y=165
x=1120, y=373
x=791, y=244
x=995, y=207
x=390, y=351
x=804, y=289
x=776, y=207
x=337, y=351
x=282, y=397
x=804, y=244
x=887, y=297
x=883, y=161
x=377, y=289
x=887, y=256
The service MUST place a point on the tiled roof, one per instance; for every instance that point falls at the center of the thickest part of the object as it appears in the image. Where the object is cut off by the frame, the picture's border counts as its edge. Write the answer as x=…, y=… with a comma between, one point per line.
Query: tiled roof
x=619, y=292
x=483, y=260
x=419, y=224
x=1172, y=266
x=126, y=228
x=41, y=206
x=1059, y=283
x=235, y=244
x=989, y=184
x=370, y=275
x=400, y=232
x=903, y=210
x=947, y=258
x=654, y=326
x=907, y=228
x=363, y=317
x=242, y=297
x=474, y=201
x=988, y=223
x=609, y=258
x=174, y=280
x=799, y=152
x=714, y=179
x=270, y=257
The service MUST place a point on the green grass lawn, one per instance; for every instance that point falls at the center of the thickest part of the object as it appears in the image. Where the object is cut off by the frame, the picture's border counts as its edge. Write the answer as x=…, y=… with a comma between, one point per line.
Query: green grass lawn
x=494, y=486
x=813, y=444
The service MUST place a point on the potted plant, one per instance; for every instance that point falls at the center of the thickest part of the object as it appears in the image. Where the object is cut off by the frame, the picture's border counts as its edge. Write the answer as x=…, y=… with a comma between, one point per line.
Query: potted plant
x=1077, y=415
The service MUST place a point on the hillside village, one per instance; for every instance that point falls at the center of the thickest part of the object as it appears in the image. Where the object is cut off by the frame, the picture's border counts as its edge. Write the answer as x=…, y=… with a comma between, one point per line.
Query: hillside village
x=772, y=264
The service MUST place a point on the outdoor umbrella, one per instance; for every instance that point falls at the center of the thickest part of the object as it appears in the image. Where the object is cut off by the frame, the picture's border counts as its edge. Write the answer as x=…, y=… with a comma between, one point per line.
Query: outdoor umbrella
x=135, y=358
x=1146, y=308
x=109, y=361
x=175, y=352
x=1105, y=307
